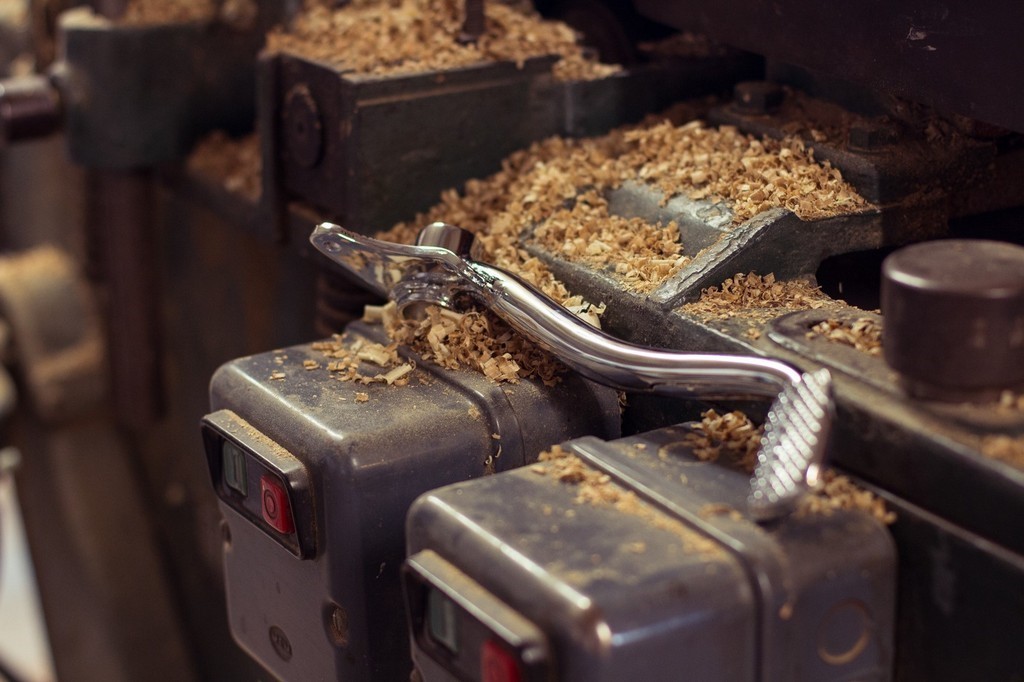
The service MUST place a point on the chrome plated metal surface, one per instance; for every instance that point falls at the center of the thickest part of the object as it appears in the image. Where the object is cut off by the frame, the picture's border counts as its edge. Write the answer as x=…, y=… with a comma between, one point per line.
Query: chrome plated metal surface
x=440, y=269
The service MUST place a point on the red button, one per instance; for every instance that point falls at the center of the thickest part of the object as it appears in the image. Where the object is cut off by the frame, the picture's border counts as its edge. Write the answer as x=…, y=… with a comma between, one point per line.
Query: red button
x=276, y=510
x=497, y=665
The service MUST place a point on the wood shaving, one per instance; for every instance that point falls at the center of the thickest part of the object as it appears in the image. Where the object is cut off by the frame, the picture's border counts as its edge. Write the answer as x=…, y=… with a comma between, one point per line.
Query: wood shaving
x=732, y=435
x=752, y=175
x=277, y=376
x=148, y=12
x=863, y=334
x=382, y=37
x=596, y=488
x=362, y=397
x=1005, y=449
x=839, y=492
x=684, y=44
x=719, y=509
x=1011, y=402
x=235, y=163
x=755, y=296
x=397, y=373
x=474, y=339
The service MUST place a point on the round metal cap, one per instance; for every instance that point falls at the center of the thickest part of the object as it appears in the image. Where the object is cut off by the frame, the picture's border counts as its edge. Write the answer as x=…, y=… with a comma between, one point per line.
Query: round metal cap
x=954, y=314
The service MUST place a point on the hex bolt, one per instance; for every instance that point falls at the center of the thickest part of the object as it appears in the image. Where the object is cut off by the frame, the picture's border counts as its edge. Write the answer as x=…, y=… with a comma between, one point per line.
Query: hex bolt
x=474, y=23
x=954, y=318
x=871, y=136
x=758, y=97
x=303, y=130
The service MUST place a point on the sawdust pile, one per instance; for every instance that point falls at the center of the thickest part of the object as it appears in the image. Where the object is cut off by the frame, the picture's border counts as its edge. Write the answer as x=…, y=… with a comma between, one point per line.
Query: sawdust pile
x=589, y=233
x=750, y=174
x=753, y=295
x=411, y=36
x=362, y=361
x=863, y=334
x=234, y=163
x=1005, y=449
x=596, y=488
x=839, y=492
x=148, y=12
x=556, y=187
x=479, y=340
x=731, y=436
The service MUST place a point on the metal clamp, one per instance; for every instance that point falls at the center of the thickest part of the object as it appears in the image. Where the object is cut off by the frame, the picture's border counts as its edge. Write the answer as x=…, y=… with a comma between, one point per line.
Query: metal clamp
x=441, y=269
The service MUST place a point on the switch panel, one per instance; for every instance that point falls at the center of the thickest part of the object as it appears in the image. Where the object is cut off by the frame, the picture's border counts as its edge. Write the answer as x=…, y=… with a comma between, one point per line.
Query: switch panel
x=243, y=461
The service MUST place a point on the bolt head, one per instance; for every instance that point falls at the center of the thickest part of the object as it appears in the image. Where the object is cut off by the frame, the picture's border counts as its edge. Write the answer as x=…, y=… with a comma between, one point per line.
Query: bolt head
x=303, y=130
x=758, y=97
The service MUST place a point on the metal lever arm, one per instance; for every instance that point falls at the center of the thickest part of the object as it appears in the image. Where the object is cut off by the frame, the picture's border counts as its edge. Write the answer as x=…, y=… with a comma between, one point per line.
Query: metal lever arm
x=440, y=270
x=399, y=274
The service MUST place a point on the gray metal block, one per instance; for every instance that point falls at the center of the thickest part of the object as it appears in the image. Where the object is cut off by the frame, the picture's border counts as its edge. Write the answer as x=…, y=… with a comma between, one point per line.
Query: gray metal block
x=323, y=602
x=686, y=588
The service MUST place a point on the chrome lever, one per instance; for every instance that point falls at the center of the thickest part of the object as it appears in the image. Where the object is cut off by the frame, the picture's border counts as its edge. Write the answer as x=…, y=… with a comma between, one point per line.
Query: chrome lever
x=441, y=269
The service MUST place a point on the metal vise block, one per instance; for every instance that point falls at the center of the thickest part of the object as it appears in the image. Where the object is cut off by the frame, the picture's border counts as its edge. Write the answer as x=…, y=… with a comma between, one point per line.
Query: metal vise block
x=632, y=559
x=373, y=150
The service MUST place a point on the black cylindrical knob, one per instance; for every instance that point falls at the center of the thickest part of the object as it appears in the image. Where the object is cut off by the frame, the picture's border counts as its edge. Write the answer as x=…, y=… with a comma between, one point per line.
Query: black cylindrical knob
x=954, y=316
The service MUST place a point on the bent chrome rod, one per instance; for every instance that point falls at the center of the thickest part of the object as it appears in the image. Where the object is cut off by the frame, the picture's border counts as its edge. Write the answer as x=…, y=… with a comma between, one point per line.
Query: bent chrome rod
x=440, y=269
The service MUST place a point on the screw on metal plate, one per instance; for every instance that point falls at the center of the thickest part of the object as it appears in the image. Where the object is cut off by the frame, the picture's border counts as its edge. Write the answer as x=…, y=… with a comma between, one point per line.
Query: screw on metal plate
x=758, y=97
x=279, y=641
x=441, y=269
x=303, y=128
